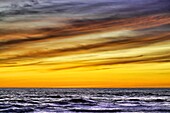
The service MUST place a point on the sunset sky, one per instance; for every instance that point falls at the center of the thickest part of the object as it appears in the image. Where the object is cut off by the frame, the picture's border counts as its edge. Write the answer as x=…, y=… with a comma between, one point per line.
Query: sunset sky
x=84, y=43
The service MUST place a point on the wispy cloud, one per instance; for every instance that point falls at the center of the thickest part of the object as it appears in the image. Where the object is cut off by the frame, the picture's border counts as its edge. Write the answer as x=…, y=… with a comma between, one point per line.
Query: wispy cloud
x=45, y=31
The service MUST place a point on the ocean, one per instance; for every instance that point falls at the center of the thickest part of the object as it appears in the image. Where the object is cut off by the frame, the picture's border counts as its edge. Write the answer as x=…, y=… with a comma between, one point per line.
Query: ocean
x=84, y=100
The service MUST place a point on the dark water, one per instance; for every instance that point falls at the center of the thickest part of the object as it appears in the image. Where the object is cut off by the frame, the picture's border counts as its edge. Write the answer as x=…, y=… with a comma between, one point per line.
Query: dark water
x=85, y=100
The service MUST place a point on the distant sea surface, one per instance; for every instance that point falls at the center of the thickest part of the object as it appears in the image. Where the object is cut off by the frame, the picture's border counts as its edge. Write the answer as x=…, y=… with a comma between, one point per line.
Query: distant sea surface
x=84, y=100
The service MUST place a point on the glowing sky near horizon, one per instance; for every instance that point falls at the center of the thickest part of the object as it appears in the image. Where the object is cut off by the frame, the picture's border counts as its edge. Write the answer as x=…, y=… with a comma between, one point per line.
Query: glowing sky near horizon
x=84, y=43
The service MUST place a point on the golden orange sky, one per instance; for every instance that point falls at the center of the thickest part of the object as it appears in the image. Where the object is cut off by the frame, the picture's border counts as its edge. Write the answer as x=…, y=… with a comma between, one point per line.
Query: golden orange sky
x=123, y=46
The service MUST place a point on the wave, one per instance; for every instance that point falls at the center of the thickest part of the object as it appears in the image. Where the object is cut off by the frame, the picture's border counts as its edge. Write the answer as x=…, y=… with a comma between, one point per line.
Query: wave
x=83, y=100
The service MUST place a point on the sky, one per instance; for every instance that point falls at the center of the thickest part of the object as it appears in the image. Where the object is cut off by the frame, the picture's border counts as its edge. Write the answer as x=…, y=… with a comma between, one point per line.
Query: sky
x=85, y=43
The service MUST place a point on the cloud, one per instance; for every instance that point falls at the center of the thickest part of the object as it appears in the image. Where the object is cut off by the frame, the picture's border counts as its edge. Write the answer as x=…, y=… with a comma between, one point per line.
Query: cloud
x=57, y=33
